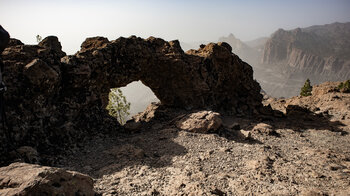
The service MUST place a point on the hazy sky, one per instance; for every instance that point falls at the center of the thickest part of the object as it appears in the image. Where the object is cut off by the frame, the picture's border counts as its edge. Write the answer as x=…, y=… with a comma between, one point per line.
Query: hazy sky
x=186, y=20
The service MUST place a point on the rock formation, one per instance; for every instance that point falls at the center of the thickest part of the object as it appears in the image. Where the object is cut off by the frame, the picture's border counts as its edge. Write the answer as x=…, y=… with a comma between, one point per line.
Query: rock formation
x=55, y=100
x=28, y=179
x=326, y=99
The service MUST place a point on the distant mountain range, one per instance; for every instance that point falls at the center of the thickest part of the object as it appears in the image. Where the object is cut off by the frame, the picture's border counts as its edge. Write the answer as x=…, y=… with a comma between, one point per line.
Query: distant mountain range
x=284, y=61
x=321, y=53
x=250, y=51
x=323, y=50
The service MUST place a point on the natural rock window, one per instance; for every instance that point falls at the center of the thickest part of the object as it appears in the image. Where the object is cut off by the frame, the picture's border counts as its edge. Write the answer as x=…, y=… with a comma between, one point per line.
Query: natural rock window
x=139, y=96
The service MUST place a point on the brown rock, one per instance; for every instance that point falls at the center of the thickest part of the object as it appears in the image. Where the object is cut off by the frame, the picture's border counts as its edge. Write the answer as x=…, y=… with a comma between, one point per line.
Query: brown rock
x=27, y=153
x=52, y=43
x=41, y=75
x=28, y=179
x=194, y=80
x=14, y=42
x=245, y=134
x=93, y=43
x=132, y=125
x=55, y=90
x=200, y=122
x=296, y=110
x=262, y=128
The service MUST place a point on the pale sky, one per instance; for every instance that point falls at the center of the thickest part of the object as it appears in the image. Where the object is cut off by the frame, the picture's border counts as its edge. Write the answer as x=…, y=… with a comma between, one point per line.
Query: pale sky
x=186, y=20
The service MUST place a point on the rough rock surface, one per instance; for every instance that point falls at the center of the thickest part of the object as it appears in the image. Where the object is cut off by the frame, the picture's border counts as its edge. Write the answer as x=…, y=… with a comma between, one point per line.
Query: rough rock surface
x=54, y=100
x=211, y=77
x=28, y=179
x=200, y=122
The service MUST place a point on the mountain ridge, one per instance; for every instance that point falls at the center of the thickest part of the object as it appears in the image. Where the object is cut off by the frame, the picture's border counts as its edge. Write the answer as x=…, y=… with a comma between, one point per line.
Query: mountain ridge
x=321, y=49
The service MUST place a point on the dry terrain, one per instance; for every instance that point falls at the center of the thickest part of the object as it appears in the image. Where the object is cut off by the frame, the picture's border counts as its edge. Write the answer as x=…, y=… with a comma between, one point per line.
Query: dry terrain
x=306, y=152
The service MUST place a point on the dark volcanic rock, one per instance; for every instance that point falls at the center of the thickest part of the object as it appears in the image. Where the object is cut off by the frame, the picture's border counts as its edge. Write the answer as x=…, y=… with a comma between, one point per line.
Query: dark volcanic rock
x=41, y=75
x=209, y=77
x=55, y=100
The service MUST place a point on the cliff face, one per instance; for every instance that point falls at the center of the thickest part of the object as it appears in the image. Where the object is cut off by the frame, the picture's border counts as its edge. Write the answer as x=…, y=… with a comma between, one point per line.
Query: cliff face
x=317, y=50
x=54, y=100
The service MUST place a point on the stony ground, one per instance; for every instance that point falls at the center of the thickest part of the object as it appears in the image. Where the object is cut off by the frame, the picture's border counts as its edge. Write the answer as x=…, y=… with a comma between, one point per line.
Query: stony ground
x=300, y=154
x=273, y=160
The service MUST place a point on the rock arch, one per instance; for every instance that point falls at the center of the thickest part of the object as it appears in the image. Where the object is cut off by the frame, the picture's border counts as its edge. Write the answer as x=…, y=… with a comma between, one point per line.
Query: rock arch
x=54, y=100
x=211, y=77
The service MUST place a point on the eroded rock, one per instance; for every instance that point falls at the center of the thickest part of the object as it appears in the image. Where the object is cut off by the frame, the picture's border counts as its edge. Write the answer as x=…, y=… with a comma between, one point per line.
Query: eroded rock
x=200, y=122
x=28, y=179
x=41, y=75
x=55, y=100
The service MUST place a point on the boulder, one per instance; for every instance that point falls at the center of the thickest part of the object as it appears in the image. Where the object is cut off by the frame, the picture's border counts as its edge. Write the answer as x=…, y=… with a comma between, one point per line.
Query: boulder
x=28, y=179
x=200, y=122
x=52, y=43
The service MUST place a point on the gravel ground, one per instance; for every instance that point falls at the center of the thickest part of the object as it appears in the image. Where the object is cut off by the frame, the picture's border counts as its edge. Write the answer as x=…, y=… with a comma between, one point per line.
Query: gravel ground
x=306, y=152
x=270, y=160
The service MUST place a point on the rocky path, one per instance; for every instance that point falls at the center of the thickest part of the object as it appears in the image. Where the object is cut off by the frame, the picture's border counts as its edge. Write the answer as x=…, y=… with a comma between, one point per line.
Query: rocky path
x=273, y=159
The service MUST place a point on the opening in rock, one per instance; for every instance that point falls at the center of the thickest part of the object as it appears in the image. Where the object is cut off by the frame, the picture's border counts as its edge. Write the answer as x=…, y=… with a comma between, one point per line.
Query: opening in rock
x=139, y=96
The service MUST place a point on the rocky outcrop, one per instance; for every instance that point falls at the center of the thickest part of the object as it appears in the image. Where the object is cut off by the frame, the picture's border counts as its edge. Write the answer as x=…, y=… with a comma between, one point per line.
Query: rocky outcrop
x=28, y=179
x=53, y=101
x=326, y=99
x=193, y=80
x=316, y=50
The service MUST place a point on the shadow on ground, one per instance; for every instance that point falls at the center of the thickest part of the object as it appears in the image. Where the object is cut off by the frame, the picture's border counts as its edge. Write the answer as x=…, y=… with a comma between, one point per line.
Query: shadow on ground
x=297, y=119
x=153, y=143
x=105, y=155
